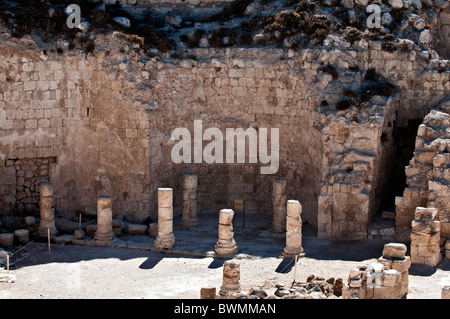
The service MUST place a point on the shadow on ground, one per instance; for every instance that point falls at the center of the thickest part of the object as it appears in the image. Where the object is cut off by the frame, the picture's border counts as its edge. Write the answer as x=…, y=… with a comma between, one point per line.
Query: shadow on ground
x=254, y=241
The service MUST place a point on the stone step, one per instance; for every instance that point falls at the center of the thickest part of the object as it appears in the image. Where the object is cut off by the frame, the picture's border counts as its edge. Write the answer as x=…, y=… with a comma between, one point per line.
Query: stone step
x=386, y=214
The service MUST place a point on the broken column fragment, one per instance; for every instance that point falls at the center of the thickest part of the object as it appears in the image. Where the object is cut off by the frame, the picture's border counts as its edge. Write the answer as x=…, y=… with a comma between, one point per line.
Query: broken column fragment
x=293, y=230
x=425, y=237
x=165, y=238
x=279, y=205
x=189, y=216
x=104, y=219
x=47, y=212
x=226, y=246
x=231, y=277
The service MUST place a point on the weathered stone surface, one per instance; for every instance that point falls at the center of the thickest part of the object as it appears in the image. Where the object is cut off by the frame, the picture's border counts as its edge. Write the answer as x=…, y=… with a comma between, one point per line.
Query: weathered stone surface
x=79, y=234
x=165, y=238
x=6, y=240
x=47, y=221
x=30, y=221
x=153, y=230
x=104, y=230
x=394, y=250
x=445, y=292
x=22, y=236
x=279, y=204
x=134, y=229
x=208, y=293
x=231, y=278
x=226, y=246
x=261, y=81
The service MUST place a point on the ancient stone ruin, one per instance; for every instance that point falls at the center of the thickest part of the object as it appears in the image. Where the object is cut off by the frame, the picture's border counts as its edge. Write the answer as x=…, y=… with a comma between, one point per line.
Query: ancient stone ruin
x=146, y=115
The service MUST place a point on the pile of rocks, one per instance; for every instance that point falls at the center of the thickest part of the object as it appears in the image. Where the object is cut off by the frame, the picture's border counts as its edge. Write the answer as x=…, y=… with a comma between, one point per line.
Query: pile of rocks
x=313, y=288
x=385, y=279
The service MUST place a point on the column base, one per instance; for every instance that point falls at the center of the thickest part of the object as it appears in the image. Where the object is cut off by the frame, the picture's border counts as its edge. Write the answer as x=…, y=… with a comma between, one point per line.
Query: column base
x=226, y=250
x=43, y=231
x=226, y=288
x=188, y=224
x=292, y=252
x=104, y=236
x=164, y=242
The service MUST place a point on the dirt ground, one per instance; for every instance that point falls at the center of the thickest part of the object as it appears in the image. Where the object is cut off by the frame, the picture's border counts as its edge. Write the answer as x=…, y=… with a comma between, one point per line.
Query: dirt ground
x=74, y=271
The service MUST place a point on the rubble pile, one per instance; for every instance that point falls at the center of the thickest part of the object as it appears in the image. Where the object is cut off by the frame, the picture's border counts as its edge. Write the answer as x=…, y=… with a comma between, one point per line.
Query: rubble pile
x=403, y=25
x=313, y=288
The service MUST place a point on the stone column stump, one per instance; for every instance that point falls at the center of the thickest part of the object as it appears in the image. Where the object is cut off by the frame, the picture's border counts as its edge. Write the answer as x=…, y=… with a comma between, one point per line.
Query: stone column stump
x=165, y=239
x=279, y=205
x=104, y=219
x=46, y=210
x=189, y=216
x=293, y=230
x=231, y=278
x=226, y=246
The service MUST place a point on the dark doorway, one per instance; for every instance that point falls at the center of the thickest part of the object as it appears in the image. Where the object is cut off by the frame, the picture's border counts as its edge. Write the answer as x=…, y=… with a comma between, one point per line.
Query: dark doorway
x=404, y=144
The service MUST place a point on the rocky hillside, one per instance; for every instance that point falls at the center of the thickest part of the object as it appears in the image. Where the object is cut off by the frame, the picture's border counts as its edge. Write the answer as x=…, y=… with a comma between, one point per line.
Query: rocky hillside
x=403, y=25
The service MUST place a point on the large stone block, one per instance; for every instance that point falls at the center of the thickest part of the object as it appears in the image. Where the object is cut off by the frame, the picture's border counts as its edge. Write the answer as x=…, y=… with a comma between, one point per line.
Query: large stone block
x=394, y=250
x=7, y=240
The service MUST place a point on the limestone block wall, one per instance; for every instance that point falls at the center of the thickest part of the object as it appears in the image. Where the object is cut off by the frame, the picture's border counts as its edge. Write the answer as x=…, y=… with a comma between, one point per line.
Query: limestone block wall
x=66, y=110
x=426, y=173
x=238, y=89
x=107, y=120
x=355, y=156
x=38, y=100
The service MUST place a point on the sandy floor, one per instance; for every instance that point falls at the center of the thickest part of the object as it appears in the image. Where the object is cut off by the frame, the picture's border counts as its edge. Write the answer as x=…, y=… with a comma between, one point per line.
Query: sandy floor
x=73, y=271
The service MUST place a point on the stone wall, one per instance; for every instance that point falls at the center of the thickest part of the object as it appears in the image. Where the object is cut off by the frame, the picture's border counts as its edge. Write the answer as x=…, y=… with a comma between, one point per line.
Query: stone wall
x=427, y=174
x=108, y=120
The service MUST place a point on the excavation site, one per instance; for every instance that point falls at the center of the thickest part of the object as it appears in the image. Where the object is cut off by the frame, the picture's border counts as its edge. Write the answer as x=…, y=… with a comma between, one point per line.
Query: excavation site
x=225, y=149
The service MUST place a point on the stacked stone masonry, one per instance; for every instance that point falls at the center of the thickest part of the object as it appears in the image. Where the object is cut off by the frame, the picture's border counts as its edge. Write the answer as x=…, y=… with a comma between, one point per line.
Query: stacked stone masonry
x=109, y=123
x=425, y=237
x=428, y=175
x=386, y=279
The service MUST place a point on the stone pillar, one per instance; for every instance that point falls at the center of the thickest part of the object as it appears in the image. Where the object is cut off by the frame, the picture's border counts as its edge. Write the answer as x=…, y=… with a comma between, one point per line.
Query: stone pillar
x=104, y=219
x=425, y=237
x=279, y=205
x=47, y=212
x=231, y=277
x=226, y=246
x=293, y=230
x=165, y=238
x=189, y=217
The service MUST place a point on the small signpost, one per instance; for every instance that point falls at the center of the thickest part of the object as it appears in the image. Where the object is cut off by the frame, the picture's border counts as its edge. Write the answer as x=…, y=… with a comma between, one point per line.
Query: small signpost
x=239, y=206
